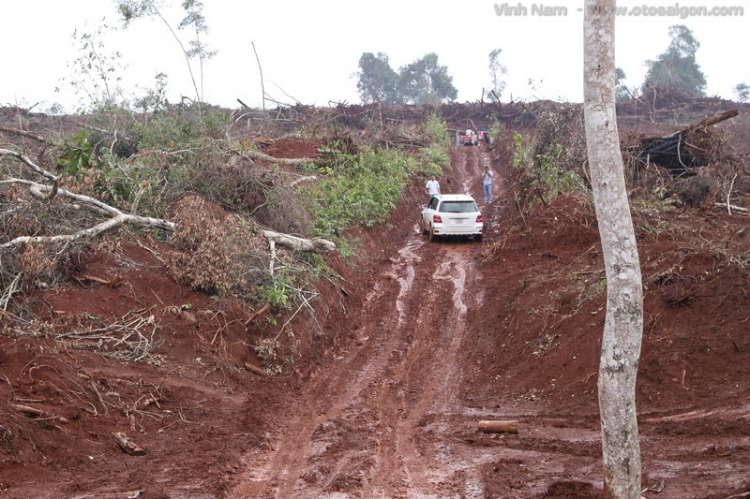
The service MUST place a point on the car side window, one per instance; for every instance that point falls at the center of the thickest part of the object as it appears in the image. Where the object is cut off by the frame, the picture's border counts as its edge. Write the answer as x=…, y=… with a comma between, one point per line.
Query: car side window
x=434, y=203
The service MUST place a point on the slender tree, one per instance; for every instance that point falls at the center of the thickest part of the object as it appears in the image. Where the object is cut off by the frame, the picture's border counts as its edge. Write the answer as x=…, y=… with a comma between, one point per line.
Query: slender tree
x=195, y=20
x=497, y=70
x=131, y=10
x=623, y=326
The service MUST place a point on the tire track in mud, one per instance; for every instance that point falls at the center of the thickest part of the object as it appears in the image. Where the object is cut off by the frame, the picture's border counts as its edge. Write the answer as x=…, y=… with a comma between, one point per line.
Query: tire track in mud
x=378, y=422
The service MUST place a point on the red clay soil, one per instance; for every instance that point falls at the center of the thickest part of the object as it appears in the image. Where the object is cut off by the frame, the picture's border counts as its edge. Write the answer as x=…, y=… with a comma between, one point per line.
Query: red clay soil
x=414, y=346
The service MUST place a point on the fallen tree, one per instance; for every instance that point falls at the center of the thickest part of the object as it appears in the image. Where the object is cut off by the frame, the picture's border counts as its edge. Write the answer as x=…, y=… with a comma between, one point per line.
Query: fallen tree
x=47, y=192
x=683, y=150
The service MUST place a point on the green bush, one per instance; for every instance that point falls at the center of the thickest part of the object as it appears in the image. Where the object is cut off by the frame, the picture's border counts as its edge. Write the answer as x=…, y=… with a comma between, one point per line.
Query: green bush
x=361, y=188
x=542, y=176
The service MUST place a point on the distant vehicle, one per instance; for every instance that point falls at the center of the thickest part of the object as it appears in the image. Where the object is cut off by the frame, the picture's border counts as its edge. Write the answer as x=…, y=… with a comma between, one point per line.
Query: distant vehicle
x=452, y=215
x=469, y=139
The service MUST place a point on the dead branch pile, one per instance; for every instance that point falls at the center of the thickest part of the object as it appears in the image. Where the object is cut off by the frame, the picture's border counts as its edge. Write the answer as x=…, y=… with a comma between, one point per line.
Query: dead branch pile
x=219, y=253
x=130, y=339
x=683, y=151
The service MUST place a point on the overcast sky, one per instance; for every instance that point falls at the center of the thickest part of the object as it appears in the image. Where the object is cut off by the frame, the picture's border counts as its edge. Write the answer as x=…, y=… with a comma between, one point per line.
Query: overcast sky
x=309, y=50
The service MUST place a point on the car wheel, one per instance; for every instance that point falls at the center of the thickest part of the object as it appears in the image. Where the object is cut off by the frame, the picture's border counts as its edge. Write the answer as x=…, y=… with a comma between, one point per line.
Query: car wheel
x=433, y=236
x=422, y=226
x=478, y=238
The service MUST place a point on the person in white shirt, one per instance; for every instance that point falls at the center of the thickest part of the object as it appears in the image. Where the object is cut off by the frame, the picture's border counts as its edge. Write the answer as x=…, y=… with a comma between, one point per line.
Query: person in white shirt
x=433, y=187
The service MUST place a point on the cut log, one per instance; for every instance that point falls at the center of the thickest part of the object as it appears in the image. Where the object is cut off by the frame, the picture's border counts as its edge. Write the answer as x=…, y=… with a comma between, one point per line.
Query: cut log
x=127, y=445
x=491, y=426
x=316, y=245
x=255, y=369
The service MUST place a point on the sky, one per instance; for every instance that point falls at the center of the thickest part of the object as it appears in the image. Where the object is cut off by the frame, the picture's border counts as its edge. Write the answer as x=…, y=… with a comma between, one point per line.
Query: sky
x=309, y=50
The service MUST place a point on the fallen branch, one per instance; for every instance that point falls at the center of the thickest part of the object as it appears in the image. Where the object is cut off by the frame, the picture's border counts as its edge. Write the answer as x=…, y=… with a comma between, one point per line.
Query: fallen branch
x=303, y=179
x=28, y=135
x=729, y=194
x=29, y=411
x=118, y=218
x=255, y=369
x=34, y=189
x=257, y=155
x=257, y=313
x=729, y=207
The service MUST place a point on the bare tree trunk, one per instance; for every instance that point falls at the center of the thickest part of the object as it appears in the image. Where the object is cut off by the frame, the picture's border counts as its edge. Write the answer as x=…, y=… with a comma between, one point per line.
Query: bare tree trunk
x=262, y=84
x=623, y=327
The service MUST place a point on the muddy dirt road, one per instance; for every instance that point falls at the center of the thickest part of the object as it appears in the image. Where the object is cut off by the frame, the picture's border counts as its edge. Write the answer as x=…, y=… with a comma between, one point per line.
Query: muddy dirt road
x=378, y=422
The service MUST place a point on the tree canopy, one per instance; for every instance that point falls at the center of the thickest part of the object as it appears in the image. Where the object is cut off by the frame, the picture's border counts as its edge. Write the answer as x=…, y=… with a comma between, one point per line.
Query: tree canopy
x=676, y=67
x=420, y=82
x=377, y=81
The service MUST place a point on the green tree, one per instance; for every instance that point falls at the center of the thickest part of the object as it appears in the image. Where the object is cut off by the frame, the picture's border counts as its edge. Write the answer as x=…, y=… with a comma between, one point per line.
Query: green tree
x=676, y=67
x=497, y=84
x=742, y=91
x=424, y=81
x=377, y=81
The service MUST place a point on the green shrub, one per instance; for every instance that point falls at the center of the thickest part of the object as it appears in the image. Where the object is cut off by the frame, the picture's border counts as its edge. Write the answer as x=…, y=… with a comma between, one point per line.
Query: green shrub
x=361, y=188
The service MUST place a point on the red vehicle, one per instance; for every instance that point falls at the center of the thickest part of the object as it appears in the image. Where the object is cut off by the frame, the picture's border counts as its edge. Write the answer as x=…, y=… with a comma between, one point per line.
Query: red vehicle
x=469, y=140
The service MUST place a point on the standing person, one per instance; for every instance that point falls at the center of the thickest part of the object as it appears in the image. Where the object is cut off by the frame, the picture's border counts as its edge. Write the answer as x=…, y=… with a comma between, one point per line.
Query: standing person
x=433, y=187
x=458, y=139
x=487, y=184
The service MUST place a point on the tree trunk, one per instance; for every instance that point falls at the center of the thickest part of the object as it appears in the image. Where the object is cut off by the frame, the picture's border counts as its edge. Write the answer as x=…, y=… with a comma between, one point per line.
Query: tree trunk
x=623, y=327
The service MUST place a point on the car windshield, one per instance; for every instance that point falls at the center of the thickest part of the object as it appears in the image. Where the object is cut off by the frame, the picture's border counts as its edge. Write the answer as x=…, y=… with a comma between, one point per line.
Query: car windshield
x=458, y=207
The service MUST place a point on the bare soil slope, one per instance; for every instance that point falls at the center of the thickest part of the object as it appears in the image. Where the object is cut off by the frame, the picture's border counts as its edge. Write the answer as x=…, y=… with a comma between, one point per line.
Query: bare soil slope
x=419, y=342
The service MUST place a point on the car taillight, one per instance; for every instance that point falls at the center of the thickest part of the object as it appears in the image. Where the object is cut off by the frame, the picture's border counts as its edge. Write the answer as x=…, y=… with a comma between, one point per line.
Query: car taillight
x=436, y=219
x=480, y=219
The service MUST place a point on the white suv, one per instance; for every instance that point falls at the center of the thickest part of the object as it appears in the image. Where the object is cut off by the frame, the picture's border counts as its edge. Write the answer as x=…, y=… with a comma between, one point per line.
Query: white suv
x=452, y=215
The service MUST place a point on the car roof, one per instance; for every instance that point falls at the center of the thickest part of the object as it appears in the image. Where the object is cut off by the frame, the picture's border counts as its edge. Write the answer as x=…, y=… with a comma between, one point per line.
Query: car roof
x=455, y=197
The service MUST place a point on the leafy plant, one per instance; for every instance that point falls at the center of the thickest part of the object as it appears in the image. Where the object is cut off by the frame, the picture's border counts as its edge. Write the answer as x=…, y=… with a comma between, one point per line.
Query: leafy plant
x=76, y=155
x=497, y=129
x=276, y=290
x=541, y=176
x=436, y=156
